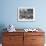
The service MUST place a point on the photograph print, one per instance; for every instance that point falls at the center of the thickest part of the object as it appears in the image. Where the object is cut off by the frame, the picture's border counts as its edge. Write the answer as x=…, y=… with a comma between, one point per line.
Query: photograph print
x=26, y=14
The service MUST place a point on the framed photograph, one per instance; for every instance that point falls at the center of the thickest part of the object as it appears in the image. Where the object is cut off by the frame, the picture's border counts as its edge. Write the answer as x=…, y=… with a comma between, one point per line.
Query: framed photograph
x=26, y=14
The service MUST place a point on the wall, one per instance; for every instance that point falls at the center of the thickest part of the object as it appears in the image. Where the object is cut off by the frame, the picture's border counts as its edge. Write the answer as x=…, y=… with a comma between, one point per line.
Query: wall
x=8, y=15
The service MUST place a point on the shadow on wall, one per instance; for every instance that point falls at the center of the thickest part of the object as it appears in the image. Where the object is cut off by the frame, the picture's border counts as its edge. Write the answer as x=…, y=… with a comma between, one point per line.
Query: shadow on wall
x=2, y=26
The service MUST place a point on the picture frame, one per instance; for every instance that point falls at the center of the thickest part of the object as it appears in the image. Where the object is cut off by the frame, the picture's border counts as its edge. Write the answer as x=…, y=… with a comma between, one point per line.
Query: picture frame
x=26, y=14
